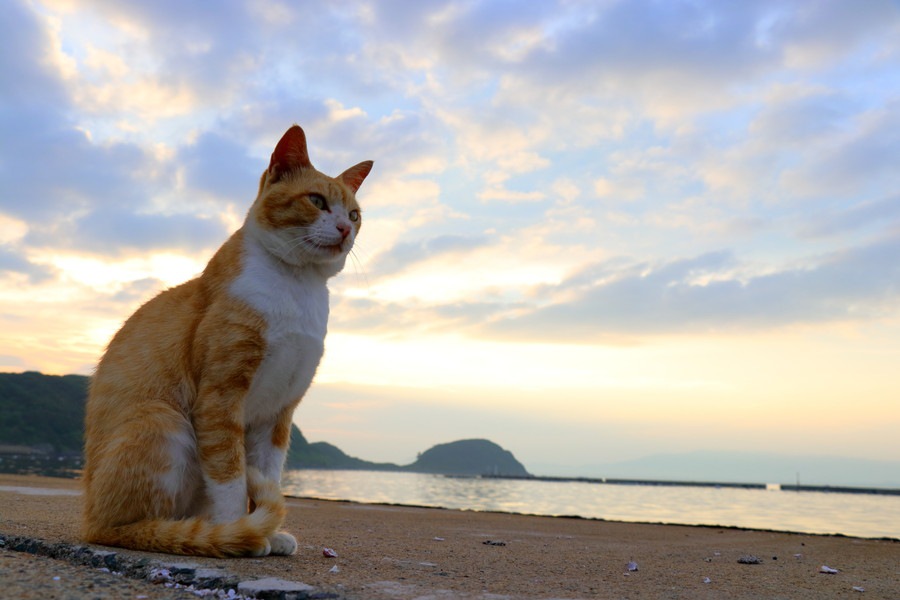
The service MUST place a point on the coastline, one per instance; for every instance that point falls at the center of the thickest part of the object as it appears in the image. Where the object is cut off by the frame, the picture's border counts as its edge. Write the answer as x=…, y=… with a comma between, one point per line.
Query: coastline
x=785, y=487
x=388, y=551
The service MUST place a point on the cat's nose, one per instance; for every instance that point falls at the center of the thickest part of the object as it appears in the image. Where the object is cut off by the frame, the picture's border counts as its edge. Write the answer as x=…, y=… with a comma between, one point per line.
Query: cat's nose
x=344, y=228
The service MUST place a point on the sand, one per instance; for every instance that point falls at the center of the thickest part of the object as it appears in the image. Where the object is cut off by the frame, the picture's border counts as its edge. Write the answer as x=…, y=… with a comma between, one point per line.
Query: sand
x=407, y=552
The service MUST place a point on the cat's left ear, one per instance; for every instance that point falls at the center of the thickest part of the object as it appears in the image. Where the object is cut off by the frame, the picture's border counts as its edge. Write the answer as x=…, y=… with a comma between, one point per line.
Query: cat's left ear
x=290, y=153
x=354, y=176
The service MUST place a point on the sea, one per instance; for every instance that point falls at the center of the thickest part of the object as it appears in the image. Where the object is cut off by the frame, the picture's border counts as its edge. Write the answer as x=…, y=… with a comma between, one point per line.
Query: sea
x=825, y=512
x=820, y=512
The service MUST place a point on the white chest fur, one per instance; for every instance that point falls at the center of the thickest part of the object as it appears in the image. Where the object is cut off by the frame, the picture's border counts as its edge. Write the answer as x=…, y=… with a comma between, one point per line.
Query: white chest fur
x=294, y=303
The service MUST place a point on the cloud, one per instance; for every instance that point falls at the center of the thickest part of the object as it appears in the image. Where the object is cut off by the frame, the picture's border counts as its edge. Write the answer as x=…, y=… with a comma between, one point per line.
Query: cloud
x=8, y=361
x=31, y=87
x=403, y=143
x=109, y=231
x=720, y=124
x=12, y=260
x=392, y=319
x=57, y=172
x=502, y=194
x=704, y=295
x=51, y=169
x=138, y=290
x=590, y=76
x=77, y=193
x=799, y=117
x=177, y=57
x=814, y=36
x=219, y=165
x=32, y=112
x=621, y=299
x=858, y=161
x=884, y=211
x=405, y=254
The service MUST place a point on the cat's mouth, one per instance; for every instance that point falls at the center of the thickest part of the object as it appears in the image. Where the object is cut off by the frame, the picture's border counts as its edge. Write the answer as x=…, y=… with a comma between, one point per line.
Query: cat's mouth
x=333, y=249
x=326, y=247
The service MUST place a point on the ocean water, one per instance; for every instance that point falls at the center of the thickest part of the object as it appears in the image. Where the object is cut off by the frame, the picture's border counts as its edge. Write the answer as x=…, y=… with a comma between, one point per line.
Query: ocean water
x=860, y=515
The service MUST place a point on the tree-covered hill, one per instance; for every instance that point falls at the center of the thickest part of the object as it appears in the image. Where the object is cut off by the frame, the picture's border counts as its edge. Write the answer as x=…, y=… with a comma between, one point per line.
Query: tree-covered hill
x=45, y=413
x=468, y=457
x=42, y=411
x=322, y=455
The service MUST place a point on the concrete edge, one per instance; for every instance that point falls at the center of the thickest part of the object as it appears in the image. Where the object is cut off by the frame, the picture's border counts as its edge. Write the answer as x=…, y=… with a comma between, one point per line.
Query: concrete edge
x=193, y=577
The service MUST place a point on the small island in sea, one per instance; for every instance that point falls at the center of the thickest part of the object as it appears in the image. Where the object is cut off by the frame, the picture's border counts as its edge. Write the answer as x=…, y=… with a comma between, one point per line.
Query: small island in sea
x=43, y=425
x=463, y=457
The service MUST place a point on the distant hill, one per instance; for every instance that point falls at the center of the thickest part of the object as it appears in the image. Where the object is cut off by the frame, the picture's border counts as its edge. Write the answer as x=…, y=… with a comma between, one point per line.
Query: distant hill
x=468, y=457
x=42, y=411
x=45, y=414
x=322, y=455
x=465, y=457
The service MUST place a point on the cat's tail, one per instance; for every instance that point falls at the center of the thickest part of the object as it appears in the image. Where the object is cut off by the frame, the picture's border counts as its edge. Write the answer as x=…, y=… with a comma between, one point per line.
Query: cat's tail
x=195, y=536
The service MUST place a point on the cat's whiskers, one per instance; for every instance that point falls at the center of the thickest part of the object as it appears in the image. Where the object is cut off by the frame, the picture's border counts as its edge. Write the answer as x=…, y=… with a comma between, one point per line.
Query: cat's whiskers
x=362, y=251
x=357, y=267
x=306, y=237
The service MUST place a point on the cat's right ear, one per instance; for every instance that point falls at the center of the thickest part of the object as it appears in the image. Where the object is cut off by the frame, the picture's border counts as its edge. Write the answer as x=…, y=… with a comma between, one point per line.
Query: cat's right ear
x=354, y=176
x=290, y=154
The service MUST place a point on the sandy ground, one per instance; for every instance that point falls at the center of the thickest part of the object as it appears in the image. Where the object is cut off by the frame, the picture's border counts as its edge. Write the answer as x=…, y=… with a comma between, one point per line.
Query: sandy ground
x=405, y=552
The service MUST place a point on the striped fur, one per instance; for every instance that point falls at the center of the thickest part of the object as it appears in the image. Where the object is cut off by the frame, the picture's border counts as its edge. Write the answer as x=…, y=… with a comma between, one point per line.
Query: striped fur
x=189, y=412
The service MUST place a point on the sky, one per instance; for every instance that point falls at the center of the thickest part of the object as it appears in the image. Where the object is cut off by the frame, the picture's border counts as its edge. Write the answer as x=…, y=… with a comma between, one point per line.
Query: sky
x=595, y=230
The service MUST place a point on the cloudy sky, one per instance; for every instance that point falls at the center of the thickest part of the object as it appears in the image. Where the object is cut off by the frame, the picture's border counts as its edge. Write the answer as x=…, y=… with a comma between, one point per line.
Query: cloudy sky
x=595, y=230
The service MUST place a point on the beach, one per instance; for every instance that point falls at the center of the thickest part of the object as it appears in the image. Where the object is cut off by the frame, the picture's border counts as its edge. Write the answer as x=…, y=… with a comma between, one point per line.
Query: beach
x=400, y=552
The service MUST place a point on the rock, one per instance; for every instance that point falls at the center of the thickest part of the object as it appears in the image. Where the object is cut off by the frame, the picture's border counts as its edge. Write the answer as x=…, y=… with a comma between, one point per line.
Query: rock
x=272, y=588
x=105, y=558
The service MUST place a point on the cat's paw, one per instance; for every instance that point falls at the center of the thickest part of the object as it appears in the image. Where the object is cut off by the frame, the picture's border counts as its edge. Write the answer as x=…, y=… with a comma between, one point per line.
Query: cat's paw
x=264, y=550
x=282, y=543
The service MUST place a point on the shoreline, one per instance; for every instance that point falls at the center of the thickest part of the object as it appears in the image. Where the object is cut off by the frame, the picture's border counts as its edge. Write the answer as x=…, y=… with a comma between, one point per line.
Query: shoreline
x=784, y=487
x=50, y=466
x=821, y=513
x=400, y=552
x=847, y=530
x=882, y=538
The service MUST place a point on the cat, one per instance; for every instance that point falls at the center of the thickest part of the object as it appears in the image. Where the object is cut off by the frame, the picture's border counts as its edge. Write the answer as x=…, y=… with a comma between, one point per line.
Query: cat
x=188, y=416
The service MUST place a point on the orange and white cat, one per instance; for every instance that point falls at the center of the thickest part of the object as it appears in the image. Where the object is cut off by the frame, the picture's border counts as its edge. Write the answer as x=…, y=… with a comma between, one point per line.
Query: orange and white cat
x=189, y=413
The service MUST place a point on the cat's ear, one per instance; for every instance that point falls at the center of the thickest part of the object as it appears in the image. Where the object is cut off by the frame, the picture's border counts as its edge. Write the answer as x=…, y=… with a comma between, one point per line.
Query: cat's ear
x=355, y=175
x=290, y=153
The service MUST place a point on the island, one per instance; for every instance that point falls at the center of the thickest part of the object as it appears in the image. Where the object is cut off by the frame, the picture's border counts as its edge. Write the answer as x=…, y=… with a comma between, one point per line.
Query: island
x=42, y=427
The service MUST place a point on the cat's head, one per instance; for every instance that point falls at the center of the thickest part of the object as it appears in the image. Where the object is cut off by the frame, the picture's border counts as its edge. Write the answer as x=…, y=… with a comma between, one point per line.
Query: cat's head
x=302, y=216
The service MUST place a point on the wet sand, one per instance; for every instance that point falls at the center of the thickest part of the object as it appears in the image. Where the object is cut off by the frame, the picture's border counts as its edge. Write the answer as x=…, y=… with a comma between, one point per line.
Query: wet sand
x=407, y=552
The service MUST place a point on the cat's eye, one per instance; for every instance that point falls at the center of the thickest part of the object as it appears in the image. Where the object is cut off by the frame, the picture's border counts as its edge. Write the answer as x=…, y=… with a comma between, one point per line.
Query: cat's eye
x=318, y=201
x=354, y=215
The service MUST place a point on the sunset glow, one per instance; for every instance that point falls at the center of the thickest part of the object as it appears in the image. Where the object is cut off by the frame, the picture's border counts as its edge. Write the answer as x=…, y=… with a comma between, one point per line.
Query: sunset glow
x=593, y=231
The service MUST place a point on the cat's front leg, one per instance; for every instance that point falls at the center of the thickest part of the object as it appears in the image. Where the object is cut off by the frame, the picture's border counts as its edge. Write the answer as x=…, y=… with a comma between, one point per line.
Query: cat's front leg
x=219, y=429
x=267, y=446
x=264, y=453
